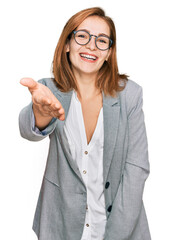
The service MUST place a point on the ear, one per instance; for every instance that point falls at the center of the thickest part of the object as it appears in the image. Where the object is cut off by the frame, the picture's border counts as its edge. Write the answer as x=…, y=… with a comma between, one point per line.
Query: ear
x=67, y=46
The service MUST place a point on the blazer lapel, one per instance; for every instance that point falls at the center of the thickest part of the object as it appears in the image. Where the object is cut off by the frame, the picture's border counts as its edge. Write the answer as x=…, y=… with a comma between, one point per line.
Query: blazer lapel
x=65, y=100
x=111, y=111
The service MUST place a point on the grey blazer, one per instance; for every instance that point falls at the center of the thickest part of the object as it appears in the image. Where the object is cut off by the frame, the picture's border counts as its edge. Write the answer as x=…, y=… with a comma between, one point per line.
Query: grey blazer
x=61, y=208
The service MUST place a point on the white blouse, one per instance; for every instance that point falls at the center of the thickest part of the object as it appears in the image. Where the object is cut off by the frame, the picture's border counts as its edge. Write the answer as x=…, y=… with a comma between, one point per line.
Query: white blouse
x=89, y=159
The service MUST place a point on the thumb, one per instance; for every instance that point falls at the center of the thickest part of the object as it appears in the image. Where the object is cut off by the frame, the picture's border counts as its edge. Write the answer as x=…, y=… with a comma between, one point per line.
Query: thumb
x=29, y=82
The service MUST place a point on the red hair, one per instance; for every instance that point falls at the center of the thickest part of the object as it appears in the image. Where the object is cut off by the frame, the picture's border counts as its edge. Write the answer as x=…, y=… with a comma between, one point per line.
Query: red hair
x=108, y=76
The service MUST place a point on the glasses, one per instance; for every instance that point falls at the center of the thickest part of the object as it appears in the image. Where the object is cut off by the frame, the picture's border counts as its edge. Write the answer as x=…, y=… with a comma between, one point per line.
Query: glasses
x=83, y=37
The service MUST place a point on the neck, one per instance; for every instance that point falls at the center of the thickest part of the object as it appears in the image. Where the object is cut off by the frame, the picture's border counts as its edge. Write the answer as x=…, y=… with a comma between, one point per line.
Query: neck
x=86, y=86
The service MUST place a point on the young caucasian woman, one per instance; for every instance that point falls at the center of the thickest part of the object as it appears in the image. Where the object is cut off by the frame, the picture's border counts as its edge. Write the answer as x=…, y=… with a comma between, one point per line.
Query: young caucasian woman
x=97, y=164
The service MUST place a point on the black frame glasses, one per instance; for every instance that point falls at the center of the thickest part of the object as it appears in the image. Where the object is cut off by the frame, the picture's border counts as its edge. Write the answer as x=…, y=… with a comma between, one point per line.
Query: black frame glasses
x=96, y=38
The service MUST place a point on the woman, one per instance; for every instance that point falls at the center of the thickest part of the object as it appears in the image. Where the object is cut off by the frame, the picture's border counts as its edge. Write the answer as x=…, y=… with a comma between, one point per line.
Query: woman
x=98, y=158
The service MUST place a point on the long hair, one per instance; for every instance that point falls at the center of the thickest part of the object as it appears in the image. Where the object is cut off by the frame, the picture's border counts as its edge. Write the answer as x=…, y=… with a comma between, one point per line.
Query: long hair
x=108, y=76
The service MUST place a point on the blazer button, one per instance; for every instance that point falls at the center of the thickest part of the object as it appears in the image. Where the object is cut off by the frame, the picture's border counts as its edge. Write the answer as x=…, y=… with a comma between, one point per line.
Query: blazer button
x=107, y=185
x=109, y=208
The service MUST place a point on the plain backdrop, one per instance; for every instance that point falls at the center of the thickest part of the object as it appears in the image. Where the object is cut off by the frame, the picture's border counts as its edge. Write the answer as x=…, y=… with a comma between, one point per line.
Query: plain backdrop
x=29, y=34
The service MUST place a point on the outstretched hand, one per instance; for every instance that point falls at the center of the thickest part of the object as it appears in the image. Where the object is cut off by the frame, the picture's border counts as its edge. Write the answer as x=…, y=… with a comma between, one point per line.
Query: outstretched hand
x=45, y=104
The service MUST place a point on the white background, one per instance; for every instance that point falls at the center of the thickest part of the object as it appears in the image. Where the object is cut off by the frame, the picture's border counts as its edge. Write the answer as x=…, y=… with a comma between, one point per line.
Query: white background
x=29, y=33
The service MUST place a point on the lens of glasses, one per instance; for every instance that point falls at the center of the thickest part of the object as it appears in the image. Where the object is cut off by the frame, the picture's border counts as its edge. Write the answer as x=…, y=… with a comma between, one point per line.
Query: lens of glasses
x=83, y=37
x=103, y=42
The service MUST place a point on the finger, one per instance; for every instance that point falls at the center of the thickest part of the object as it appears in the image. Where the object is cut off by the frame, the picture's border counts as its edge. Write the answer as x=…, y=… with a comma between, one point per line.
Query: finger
x=56, y=106
x=55, y=113
x=61, y=111
x=29, y=82
x=44, y=101
x=48, y=109
x=43, y=110
x=62, y=117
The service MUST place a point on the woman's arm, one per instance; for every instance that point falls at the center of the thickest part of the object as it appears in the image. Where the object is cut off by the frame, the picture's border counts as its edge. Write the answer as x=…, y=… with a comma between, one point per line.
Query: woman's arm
x=44, y=108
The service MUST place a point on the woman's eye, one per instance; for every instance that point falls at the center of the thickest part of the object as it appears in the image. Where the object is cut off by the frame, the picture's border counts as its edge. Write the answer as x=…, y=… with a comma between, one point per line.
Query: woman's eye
x=81, y=36
x=102, y=41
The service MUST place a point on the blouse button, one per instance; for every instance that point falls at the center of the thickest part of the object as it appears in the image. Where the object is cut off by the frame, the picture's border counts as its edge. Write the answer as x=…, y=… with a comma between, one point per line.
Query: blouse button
x=109, y=208
x=86, y=152
x=84, y=172
x=107, y=185
x=87, y=225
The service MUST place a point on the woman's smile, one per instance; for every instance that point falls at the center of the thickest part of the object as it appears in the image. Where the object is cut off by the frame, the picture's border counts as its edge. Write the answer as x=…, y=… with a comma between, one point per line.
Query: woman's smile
x=91, y=58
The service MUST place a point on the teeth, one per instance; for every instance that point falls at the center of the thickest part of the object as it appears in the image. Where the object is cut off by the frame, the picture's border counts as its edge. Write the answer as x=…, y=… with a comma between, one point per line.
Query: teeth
x=88, y=56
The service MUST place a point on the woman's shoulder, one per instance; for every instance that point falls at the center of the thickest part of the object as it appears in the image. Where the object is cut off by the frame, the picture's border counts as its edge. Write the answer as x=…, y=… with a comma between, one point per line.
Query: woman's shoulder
x=131, y=94
x=131, y=87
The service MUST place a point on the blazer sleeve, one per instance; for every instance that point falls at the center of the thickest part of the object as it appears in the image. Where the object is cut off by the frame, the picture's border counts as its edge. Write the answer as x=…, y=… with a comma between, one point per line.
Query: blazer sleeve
x=128, y=202
x=26, y=124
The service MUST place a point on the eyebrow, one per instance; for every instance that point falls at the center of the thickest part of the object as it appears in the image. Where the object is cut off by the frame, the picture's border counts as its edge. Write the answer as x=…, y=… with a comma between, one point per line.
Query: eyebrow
x=103, y=34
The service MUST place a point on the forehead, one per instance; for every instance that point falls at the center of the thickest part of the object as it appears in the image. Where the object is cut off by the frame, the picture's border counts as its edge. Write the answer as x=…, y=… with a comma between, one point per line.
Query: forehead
x=95, y=25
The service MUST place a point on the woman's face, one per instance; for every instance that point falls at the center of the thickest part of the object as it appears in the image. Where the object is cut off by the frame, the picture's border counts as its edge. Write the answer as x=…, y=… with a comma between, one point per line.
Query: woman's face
x=88, y=59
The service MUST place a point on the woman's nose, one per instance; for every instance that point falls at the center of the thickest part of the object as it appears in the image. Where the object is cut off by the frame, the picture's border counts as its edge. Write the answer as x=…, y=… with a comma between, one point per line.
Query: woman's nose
x=91, y=44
